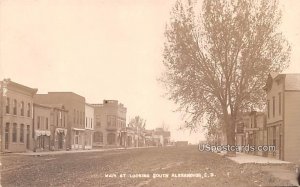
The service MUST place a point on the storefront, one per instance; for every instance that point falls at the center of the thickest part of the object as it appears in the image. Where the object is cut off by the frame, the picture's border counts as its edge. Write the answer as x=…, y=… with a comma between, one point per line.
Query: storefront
x=78, y=138
x=42, y=140
x=59, y=138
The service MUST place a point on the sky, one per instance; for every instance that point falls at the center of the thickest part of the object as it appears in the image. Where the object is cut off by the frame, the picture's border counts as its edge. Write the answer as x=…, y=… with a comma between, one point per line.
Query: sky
x=103, y=50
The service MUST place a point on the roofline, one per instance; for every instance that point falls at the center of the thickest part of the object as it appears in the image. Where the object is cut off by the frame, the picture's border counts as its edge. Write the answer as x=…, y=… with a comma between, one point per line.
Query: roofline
x=29, y=89
x=45, y=106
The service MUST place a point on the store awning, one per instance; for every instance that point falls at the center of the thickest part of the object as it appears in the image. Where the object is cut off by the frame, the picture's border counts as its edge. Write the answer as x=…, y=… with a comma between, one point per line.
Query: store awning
x=78, y=129
x=61, y=130
x=42, y=133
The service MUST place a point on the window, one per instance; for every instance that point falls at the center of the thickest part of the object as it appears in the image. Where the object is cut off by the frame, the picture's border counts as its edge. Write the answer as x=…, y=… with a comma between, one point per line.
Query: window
x=86, y=121
x=7, y=105
x=279, y=103
x=14, y=133
x=98, y=121
x=27, y=136
x=114, y=121
x=38, y=122
x=29, y=110
x=111, y=138
x=47, y=126
x=111, y=121
x=76, y=137
x=98, y=137
x=6, y=138
x=108, y=121
x=268, y=108
x=61, y=118
x=22, y=133
x=274, y=136
x=273, y=106
x=91, y=122
x=15, y=107
x=77, y=117
x=64, y=119
x=22, y=108
x=57, y=124
x=74, y=117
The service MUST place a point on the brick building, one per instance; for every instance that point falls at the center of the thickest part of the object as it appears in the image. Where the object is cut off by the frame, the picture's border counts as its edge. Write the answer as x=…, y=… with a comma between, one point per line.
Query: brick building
x=110, y=119
x=16, y=116
x=58, y=127
x=41, y=127
x=75, y=105
x=89, y=126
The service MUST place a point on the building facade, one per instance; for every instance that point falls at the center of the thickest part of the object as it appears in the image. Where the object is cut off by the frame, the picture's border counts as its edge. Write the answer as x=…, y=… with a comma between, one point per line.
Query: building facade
x=161, y=137
x=41, y=128
x=110, y=119
x=58, y=126
x=16, y=116
x=75, y=105
x=251, y=130
x=89, y=126
x=283, y=119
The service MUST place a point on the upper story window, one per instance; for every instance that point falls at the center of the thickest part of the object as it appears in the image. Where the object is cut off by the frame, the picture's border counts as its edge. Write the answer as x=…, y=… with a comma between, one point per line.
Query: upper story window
x=279, y=103
x=15, y=107
x=38, y=122
x=22, y=108
x=29, y=110
x=57, y=121
x=268, y=106
x=273, y=106
x=61, y=118
x=74, y=117
x=98, y=120
x=91, y=122
x=64, y=119
x=77, y=117
x=108, y=121
x=7, y=105
x=47, y=124
x=111, y=121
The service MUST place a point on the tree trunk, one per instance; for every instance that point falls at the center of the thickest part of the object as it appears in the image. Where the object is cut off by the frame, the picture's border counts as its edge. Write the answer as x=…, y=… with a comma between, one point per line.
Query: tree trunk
x=230, y=135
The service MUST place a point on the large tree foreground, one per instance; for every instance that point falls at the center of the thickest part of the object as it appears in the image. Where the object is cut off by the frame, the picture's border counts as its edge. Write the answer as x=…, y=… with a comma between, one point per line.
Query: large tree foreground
x=218, y=55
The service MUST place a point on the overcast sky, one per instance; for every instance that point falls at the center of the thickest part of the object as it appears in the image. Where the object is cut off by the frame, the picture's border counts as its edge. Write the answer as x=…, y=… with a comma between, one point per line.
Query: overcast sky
x=102, y=50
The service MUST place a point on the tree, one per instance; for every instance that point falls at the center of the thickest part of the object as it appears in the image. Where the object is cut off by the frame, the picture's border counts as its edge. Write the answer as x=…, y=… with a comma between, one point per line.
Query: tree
x=217, y=60
x=137, y=123
x=164, y=126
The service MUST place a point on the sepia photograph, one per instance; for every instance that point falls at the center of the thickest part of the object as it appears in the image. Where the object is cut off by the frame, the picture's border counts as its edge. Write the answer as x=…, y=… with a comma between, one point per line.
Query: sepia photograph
x=149, y=93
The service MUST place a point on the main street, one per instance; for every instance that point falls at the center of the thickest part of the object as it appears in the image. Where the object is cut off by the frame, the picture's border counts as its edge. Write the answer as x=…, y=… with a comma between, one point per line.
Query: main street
x=161, y=166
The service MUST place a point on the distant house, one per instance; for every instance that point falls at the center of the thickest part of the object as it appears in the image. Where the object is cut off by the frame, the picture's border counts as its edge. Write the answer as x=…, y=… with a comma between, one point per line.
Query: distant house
x=161, y=137
x=283, y=115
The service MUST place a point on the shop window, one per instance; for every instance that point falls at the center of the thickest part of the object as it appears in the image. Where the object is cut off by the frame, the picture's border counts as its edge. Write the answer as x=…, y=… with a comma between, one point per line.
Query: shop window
x=14, y=133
